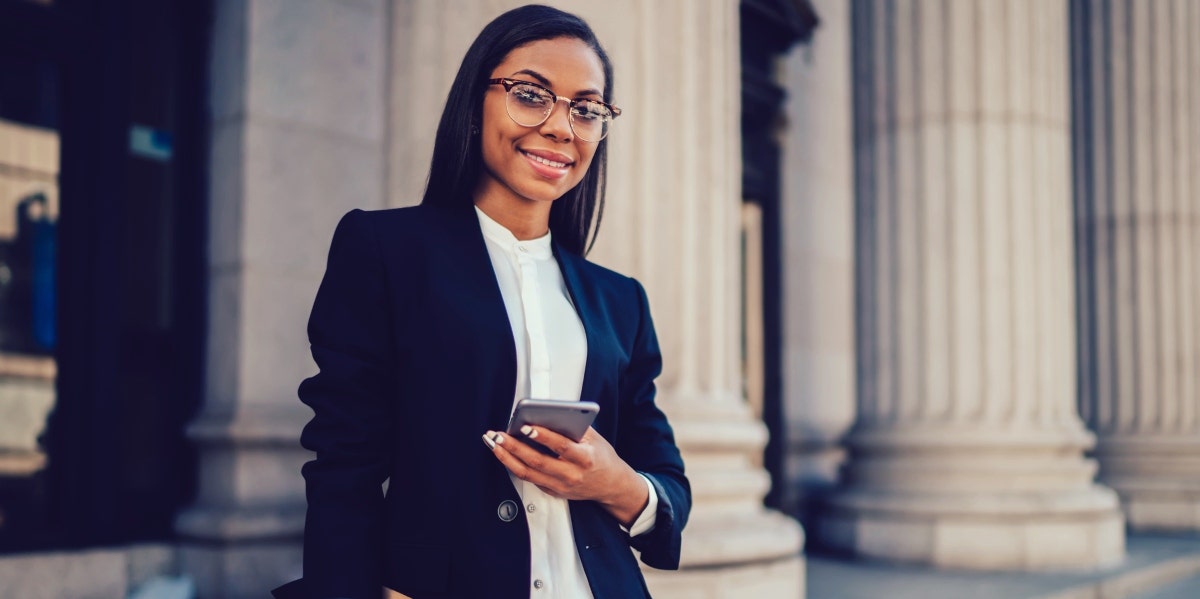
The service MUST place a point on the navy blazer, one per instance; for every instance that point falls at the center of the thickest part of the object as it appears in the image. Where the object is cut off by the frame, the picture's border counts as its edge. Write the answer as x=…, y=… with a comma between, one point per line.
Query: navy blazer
x=417, y=360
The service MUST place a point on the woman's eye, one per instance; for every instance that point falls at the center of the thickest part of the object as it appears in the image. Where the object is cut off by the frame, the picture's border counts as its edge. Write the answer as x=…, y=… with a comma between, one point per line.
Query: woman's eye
x=529, y=96
x=590, y=111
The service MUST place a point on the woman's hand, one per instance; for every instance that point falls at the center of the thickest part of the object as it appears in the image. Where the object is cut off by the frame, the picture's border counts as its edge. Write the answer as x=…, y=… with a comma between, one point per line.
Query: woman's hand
x=589, y=469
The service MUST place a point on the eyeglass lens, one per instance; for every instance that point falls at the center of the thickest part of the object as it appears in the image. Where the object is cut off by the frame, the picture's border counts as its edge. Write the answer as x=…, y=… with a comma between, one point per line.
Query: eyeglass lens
x=530, y=106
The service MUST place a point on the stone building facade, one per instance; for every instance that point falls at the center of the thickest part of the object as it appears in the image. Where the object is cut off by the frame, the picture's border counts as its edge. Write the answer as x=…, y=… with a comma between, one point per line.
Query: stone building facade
x=988, y=269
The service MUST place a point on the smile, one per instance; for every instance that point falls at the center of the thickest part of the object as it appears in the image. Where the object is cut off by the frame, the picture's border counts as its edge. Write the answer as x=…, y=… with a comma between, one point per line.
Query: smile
x=544, y=161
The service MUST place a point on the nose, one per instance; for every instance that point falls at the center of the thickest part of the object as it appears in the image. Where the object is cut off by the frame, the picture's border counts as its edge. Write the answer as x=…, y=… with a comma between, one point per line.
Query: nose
x=558, y=124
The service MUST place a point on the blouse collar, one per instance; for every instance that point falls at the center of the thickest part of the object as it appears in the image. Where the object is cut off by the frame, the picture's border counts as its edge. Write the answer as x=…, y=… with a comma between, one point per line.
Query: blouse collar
x=497, y=233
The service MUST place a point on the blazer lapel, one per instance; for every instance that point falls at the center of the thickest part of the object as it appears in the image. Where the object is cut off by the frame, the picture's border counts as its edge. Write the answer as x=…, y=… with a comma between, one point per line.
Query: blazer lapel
x=473, y=264
x=571, y=267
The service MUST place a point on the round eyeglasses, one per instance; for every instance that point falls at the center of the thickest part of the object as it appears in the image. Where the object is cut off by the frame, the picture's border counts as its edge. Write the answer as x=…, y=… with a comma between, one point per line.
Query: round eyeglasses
x=529, y=105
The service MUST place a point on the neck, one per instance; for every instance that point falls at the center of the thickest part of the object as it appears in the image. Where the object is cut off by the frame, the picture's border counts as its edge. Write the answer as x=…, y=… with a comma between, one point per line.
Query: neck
x=525, y=219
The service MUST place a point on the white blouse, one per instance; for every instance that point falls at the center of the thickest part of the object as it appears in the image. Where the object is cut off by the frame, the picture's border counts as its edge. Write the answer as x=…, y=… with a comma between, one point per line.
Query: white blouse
x=551, y=355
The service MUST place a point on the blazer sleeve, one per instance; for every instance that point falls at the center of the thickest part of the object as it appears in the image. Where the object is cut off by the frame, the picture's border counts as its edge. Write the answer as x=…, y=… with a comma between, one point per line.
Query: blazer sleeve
x=647, y=443
x=349, y=334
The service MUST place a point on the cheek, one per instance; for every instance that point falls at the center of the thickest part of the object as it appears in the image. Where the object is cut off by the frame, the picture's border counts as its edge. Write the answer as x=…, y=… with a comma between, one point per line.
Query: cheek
x=493, y=147
x=585, y=161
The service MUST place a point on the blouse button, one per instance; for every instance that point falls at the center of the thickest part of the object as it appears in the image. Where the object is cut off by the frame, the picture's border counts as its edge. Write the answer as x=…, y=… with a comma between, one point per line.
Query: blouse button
x=532, y=508
x=537, y=584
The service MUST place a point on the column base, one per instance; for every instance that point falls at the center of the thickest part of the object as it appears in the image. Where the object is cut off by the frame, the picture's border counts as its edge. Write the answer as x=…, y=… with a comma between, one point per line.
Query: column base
x=779, y=578
x=242, y=570
x=765, y=536
x=1051, y=531
x=242, y=536
x=250, y=482
x=810, y=476
x=976, y=497
x=234, y=523
x=1155, y=477
x=1162, y=512
x=732, y=546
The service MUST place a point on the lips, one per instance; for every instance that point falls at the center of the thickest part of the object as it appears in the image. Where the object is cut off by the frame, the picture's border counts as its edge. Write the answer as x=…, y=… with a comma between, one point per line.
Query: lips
x=551, y=165
x=546, y=161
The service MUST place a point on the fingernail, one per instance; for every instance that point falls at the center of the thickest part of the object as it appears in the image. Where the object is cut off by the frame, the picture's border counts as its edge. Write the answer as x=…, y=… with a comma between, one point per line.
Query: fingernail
x=498, y=438
x=488, y=442
x=528, y=431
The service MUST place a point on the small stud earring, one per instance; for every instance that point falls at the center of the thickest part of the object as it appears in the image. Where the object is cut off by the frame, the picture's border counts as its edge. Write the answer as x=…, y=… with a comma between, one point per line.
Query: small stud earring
x=474, y=130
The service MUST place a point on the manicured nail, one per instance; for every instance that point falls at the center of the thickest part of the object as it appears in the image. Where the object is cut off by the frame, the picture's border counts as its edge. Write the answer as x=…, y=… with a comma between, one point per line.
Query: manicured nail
x=498, y=439
x=528, y=431
x=488, y=442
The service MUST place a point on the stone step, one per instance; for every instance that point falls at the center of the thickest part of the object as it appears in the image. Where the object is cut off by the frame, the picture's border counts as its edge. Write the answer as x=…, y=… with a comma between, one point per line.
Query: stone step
x=1155, y=563
x=1188, y=588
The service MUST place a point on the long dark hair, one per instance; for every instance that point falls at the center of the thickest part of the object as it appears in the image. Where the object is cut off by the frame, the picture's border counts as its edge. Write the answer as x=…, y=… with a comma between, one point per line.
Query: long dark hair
x=457, y=158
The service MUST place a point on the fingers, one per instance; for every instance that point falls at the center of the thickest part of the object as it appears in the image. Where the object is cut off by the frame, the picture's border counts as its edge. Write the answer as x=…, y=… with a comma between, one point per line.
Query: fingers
x=550, y=439
x=527, y=463
x=582, y=454
x=552, y=492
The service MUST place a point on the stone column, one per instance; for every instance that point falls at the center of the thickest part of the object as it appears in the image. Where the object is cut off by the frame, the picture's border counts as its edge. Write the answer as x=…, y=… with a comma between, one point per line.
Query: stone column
x=673, y=222
x=1137, y=140
x=967, y=450
x=297, y=96
x=817, y=264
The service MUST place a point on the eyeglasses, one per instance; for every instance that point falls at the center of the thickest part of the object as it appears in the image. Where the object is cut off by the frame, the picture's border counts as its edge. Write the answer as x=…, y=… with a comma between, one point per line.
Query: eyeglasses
x=529, y=105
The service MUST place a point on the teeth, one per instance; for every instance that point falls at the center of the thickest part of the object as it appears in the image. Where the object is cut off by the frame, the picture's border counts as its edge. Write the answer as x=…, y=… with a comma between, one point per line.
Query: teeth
x=546, y=162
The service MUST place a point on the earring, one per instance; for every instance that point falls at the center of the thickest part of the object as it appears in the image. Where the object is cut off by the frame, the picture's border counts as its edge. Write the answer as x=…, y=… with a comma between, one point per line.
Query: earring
x=474, y=129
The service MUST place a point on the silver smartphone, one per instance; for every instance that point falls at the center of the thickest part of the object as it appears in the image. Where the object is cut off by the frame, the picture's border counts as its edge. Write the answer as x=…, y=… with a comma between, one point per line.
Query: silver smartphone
x=567, y=418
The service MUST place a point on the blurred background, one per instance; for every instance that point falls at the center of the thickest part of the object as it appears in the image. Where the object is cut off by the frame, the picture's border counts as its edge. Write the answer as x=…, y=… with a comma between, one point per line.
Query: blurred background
x=925, y=274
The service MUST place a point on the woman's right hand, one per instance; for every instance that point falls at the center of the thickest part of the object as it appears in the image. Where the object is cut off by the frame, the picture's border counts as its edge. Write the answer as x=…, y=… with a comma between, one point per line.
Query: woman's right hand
x=589, y=469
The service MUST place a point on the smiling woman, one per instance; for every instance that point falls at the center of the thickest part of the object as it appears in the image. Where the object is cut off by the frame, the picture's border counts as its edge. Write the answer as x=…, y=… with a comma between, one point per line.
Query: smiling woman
x=433, y=321
x=529, y=166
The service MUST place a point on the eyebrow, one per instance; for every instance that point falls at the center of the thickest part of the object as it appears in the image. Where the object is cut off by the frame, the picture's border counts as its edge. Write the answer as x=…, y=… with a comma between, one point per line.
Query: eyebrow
x=546, y=82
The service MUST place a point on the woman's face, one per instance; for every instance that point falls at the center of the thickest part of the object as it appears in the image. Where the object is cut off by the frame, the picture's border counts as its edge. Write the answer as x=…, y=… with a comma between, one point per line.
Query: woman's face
x=515, y=157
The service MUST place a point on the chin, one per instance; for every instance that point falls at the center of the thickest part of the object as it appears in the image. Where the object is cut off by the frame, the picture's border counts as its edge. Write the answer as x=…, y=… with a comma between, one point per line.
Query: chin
x=540, y=193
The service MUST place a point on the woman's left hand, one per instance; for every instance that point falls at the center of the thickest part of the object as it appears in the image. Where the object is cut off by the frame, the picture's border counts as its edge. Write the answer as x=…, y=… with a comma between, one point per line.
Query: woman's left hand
x=589, y=469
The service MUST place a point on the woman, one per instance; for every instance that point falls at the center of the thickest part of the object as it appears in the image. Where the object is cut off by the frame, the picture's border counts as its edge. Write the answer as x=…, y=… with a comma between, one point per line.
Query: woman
x=432, y=321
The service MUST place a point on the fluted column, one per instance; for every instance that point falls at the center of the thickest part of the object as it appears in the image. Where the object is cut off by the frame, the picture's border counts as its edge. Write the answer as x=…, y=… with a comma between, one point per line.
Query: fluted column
x=1137, y=139
x=968, y=450
x=674, y=224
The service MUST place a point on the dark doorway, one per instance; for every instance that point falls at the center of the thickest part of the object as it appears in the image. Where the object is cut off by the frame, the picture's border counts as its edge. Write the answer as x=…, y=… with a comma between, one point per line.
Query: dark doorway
x=114, y=319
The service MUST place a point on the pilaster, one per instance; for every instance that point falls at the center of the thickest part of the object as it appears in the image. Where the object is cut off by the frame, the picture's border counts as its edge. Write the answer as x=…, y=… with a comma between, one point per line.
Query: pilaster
x=296, y=116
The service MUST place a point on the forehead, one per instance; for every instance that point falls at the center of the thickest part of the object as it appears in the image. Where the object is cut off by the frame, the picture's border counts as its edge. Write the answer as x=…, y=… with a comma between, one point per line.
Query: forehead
x=568, y=63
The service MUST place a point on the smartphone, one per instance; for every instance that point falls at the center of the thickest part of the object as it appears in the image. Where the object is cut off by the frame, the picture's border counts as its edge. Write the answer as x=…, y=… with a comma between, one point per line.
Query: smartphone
x=568, y=418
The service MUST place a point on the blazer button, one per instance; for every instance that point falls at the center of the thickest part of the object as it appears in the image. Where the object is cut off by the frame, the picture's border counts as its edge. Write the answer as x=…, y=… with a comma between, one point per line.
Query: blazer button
x=507, y=510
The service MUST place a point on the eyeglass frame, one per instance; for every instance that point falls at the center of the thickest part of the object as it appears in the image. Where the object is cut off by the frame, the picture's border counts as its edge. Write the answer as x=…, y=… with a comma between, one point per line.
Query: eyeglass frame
x=509, y=83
